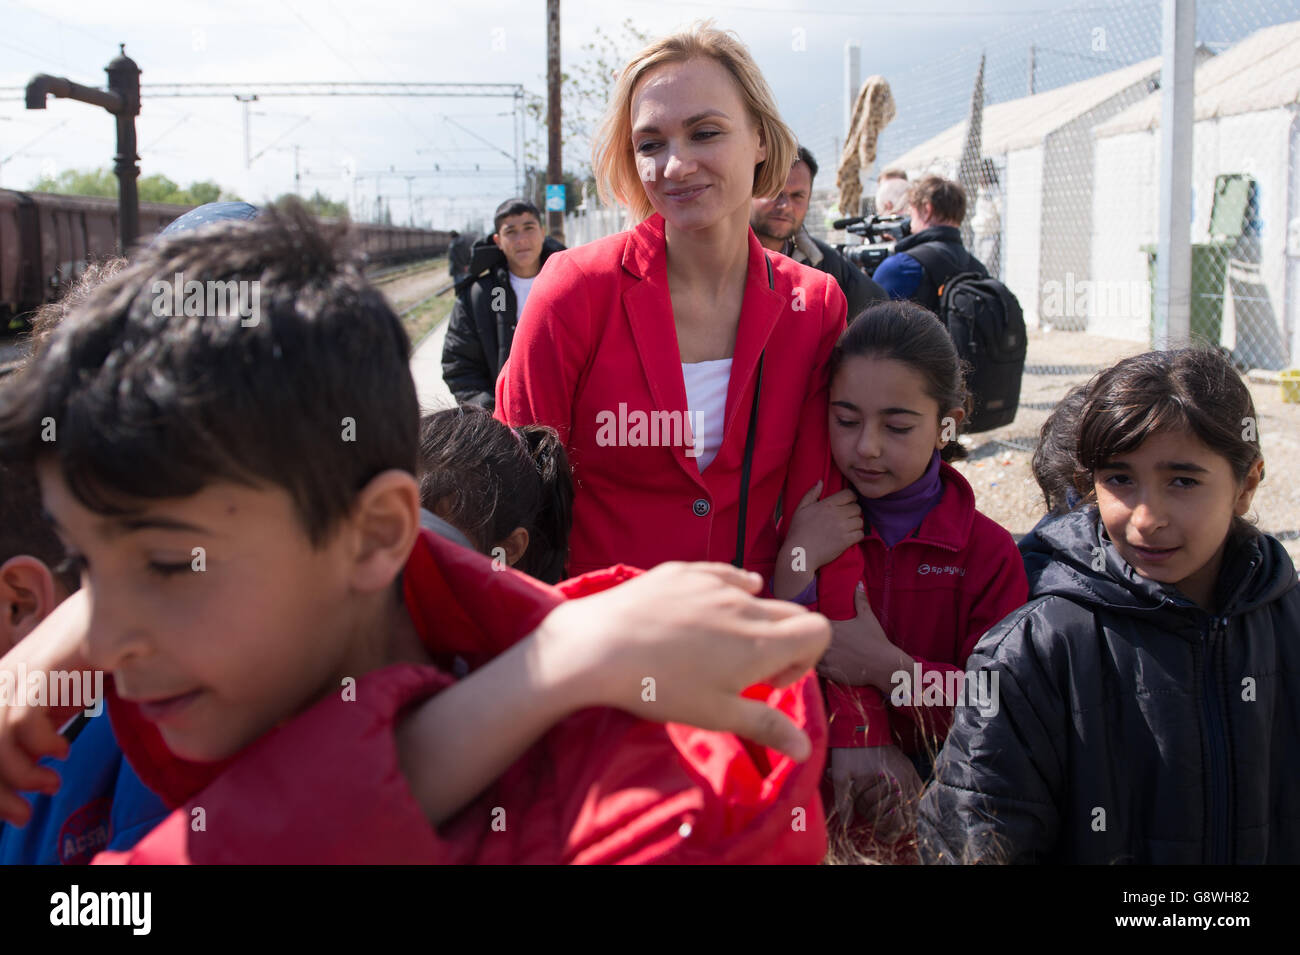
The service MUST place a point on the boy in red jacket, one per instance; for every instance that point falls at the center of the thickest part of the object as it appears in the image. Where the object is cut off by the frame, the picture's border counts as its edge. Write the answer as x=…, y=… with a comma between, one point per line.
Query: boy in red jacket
x=236, y=485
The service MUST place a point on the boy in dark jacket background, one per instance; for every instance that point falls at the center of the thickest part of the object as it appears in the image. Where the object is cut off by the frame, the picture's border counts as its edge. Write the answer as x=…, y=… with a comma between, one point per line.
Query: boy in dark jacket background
x=490, y=300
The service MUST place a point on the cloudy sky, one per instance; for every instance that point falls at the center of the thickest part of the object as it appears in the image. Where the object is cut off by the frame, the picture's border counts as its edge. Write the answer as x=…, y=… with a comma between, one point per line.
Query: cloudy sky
x=927, y=49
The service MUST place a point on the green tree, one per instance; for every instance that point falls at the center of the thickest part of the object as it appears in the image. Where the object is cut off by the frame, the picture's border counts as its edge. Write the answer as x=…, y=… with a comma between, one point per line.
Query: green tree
x=158, y=188
x=321, y=205
x=204, y=192
x=79, y=182
x=153, y=188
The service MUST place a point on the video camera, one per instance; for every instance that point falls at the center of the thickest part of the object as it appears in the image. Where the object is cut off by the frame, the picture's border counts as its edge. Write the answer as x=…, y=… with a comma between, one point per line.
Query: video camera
x=881, y=233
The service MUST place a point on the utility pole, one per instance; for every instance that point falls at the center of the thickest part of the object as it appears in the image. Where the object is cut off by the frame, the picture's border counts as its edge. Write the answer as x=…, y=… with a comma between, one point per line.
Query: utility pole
x=1032, y=52
x=246, y=98
x=554, y=171
x=852, y=83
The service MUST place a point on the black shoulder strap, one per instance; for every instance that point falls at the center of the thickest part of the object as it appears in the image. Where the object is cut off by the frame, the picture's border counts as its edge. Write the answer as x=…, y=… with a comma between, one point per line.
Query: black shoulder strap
x=749, y=444
x=937, y=261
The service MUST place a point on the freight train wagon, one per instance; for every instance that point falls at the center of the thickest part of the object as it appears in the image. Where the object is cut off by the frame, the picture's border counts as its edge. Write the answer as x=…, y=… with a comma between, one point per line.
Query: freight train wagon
x=46, y=240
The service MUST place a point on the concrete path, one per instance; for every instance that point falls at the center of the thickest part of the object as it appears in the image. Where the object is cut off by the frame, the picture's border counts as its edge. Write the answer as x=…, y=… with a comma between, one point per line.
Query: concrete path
x=426, y=369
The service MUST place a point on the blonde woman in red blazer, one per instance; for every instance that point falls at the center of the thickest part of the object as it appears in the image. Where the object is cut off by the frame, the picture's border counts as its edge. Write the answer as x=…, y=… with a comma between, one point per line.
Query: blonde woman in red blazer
x=692, y=135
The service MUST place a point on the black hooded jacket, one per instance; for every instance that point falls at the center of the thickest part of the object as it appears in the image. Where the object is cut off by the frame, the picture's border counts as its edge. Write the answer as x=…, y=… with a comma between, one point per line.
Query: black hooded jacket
x=944, y=257
x=859, y=289
x=1131, y=725
x=479, y=336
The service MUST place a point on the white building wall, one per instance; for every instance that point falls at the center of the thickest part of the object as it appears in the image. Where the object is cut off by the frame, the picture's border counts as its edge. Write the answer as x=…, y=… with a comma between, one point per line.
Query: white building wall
x=1125, y=207
x=1022, y=227
x=1125, y=210
x=1258, y=144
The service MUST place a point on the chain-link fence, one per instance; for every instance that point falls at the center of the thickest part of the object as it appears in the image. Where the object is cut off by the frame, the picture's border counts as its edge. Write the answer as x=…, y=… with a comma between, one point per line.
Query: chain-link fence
x=1066, y=209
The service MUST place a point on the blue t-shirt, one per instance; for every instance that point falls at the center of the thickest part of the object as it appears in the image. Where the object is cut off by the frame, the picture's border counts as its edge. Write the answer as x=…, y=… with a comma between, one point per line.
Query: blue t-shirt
x=100, y=805
x=899, y=275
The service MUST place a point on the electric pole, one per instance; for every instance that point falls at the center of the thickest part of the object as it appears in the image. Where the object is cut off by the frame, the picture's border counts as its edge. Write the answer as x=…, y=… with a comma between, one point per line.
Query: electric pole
x=245, y=99
x=554, y=171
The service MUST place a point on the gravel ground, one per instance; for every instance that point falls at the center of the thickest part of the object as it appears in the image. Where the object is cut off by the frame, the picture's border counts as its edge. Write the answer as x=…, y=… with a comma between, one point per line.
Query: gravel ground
x=998, y=466
x=409, y=287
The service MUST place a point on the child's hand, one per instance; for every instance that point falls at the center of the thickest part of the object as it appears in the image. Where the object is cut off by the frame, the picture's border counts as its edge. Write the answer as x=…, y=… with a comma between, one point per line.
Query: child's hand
x=879, y=784
x=824, y=529
x=28, y=733
x=861, y=654
x=679, y=643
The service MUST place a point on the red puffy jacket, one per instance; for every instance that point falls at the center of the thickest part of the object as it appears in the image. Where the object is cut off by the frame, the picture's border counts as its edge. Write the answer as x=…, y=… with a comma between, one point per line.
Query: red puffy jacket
x=600, y=787
x=935, y=593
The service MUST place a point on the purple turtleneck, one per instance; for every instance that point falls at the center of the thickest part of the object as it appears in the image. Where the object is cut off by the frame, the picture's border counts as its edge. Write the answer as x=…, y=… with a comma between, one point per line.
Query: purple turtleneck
x=900, y=512
x=895, y=515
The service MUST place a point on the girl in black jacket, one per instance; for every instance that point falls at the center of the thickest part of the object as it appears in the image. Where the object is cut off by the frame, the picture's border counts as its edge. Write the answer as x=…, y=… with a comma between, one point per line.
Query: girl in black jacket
x=1149, y=692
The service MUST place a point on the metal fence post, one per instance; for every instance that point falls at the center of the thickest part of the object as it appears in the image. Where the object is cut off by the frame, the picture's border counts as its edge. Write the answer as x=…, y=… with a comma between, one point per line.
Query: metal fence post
x=1174, y=253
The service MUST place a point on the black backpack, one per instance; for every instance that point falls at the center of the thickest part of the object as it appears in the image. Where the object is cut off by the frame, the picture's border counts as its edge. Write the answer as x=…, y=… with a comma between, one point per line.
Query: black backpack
x=987, y=326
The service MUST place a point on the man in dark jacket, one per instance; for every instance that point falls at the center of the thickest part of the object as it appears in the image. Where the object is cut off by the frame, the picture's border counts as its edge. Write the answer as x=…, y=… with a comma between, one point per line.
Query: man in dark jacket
x=778, y=223
x=458, y=255
x=923, y=261
x=1131, y=725
x=490, y=299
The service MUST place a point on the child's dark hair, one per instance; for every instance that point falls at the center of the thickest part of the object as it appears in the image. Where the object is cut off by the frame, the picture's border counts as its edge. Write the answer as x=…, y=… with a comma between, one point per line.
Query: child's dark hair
x=905, y=332
x=514, y=207
x=1184, y=389
x=310, y=392
x=24, y=528
x=50, y=315
x=487, y=478
x=1054, y=458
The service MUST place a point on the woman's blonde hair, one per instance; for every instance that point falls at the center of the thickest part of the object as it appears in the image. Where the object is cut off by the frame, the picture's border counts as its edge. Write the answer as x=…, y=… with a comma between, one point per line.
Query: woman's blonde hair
x=612, y=159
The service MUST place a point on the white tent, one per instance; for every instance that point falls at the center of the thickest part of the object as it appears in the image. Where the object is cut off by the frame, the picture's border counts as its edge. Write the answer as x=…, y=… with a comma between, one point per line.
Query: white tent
x=1246, y=124
x=1042, y=148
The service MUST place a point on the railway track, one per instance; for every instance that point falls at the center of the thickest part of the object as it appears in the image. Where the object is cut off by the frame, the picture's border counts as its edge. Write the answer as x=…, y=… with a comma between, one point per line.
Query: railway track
x=382, y=276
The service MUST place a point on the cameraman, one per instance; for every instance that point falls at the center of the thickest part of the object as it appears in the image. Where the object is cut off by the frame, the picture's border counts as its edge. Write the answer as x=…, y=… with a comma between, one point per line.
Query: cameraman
x=778, y=223
x=937, y=207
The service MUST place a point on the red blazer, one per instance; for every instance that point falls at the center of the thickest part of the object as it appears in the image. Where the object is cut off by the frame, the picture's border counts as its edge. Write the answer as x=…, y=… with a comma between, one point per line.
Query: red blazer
x=602, y=786
x=597, y=338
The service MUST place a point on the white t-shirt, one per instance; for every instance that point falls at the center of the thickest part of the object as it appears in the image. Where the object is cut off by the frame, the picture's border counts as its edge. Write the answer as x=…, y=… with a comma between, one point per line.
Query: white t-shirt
x=521, y=287
x=706, y=405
